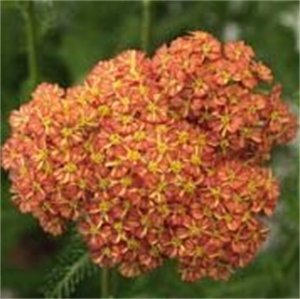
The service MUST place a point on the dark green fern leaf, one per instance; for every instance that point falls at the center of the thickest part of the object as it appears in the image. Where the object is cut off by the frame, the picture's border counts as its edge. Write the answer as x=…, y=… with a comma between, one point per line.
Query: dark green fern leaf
x=73, y=265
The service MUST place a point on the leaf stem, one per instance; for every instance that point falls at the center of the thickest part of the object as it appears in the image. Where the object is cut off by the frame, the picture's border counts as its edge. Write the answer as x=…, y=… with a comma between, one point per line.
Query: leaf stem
x=105, y=283
x=146, y=22
x=29, y=17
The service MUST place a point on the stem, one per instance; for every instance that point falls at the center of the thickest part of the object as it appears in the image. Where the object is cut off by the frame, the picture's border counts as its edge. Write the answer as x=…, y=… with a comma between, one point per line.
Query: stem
x=145, y=33
x=29, y=17
x=105, y=283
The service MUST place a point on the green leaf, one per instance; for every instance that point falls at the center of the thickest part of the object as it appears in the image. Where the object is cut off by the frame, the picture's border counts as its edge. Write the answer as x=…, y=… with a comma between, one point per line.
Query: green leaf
x=72, y=267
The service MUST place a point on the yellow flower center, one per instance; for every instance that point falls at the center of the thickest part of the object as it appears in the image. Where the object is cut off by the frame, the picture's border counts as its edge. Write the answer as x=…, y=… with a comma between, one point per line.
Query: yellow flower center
x=97, y=158
x=224, y=145
x=115, y=139
x=231, y=175
x=70, y=167
x=163, y=210
x=139, y=136
x=42, y=155
x=162, y=186
x=143, y=89
x=206, y=48
x=252, y=187
x=199, y=251
x=104, y=206
x=196, y=159
x=82, y=184
x=225, y=120
x=66, y=132
x=183, y=137
x=176, y=166
x=46, y=123
x=162, y=147
x=104, y=111
x=133, y=155
x=126, y=181
x=176, y=242
x=125, y=101
x=104, y=184
x=246, y=132
x=201, y=140
x=152, y=108
x=126, y=119
x=153, y=166
x=228, y=218
x=198, y=84
x=36, y=186
x=233, y=100
x=225, y=77
x=133, y=244
x=117, y=84
x=275, y=115
x=118, y=226
x=215, y=192
x=194, y=230
x=189, y=187
x=106, y=251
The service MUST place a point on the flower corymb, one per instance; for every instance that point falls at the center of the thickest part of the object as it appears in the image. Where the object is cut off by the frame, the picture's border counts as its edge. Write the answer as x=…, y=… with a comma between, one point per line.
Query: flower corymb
x=156, y=159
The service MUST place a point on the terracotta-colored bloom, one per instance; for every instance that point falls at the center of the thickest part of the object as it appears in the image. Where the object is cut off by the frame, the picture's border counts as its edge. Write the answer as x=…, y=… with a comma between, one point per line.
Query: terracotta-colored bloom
x=238, y=51
x=156, y=158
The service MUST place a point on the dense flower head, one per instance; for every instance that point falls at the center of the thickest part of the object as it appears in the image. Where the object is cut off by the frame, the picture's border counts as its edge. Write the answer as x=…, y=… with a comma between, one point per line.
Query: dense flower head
x=156, y=159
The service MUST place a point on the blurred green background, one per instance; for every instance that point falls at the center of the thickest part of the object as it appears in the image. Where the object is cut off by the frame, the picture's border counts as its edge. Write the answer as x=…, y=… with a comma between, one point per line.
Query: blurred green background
x=70, y=38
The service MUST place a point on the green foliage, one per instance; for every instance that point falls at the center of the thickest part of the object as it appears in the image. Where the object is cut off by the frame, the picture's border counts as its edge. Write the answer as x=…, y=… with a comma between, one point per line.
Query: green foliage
x=71, y=37
x=72, y=266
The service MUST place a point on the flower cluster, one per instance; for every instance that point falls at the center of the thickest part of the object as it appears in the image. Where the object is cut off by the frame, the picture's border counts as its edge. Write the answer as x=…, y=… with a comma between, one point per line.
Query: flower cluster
x=155, y=158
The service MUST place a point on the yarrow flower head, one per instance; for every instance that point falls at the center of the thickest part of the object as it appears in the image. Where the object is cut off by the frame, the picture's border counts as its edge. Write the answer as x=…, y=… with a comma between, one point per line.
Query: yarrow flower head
x=155, y=159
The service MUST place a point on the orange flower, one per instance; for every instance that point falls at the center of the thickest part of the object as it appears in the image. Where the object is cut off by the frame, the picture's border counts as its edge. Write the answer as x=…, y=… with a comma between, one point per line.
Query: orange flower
x=237, y=51
x=155, y=158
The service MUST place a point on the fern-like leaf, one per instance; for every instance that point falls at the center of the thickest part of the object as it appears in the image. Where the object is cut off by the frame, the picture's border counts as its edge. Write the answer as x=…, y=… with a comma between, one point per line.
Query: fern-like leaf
x=73, y=266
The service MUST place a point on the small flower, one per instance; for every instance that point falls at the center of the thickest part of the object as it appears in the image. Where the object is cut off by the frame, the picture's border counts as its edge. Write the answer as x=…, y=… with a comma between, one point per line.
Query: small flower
x=155, y=158
x=237, y=51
